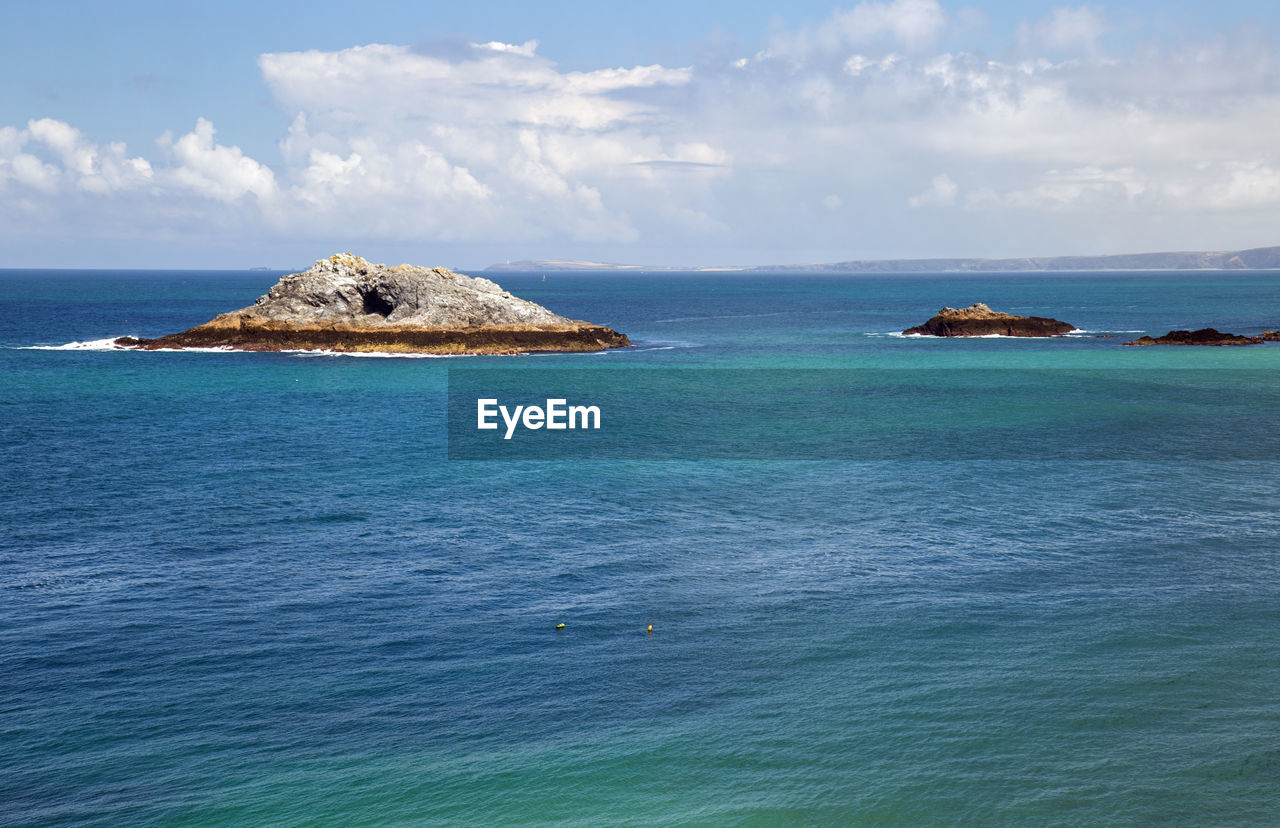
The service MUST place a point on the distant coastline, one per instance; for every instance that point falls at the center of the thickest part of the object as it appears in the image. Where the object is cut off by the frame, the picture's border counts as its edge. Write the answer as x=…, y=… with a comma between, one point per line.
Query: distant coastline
x=1258, y=258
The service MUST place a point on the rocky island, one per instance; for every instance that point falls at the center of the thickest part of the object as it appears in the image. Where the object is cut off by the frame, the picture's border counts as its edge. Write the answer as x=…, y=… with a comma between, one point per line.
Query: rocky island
x=1204, y=336
x=345, y=303
x=980, y=320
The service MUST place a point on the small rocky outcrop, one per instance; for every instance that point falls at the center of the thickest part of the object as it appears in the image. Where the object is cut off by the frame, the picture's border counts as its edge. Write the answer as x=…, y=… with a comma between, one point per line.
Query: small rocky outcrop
x=1271, y=336
x=980, y=320
x=1204, y=336
x=345, y=303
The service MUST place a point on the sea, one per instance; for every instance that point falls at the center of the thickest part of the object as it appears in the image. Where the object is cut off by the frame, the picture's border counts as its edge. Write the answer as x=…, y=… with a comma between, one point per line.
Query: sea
x=260, y=588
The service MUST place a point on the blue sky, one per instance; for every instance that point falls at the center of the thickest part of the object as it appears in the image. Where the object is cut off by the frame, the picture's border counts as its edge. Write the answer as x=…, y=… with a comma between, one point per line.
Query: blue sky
x=237, y=134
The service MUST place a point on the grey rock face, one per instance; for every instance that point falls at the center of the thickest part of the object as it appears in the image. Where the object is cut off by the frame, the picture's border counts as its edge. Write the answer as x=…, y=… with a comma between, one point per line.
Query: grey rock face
x=346, y=289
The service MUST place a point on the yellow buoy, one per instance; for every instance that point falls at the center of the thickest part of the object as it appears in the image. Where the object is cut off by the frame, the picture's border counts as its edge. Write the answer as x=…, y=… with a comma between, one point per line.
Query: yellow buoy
x=559, y=626
x=650, y=629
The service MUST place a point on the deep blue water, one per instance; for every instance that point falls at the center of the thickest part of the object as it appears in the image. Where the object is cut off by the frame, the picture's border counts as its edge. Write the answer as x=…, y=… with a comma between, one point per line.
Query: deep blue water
x=251, y=588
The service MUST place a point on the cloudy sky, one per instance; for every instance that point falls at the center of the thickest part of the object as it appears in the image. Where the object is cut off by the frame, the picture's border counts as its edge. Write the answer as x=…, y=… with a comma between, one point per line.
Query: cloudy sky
x=233, y=135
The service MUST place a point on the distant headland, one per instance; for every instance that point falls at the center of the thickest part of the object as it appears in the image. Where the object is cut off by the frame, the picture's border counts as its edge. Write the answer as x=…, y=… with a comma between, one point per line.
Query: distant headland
x=1258, y=258
x=347, y=304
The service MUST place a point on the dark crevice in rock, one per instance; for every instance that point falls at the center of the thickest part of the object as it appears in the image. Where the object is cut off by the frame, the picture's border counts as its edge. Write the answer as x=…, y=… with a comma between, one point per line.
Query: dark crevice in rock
x=373, y=302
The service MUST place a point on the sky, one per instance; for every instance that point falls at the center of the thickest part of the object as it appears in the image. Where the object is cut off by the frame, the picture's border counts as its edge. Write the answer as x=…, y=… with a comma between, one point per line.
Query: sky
x=238, y=134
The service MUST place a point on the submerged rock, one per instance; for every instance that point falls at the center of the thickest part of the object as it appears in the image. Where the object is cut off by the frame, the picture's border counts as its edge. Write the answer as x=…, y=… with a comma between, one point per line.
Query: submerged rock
x=345, y=303
x=980, y=320
x=1204, y=336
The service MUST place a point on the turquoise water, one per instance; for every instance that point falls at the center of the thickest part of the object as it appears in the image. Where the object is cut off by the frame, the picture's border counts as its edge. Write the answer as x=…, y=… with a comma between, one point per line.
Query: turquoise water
x=252, y=588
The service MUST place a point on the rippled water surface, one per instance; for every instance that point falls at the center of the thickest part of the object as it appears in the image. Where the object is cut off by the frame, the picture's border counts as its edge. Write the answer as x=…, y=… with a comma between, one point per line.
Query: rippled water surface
x=251, y=588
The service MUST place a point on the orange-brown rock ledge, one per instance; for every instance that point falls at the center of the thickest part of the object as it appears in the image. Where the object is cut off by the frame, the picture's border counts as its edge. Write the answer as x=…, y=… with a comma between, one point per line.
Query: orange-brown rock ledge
x=583, y=337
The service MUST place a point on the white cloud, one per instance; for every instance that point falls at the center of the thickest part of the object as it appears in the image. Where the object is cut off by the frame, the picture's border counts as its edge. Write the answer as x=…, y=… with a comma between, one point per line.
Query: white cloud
x=77, y=155
x=1246, y=185
x=527, y=48
x=50, y=155
x=11, y=140
x=223, y=173
x=913, y=24
x=494, y=84
x=30, y=171
x=511, y=145
x=494, y=143
x=857, y=64
x=941, y=192
x=1202, y=189
x=1065, y=29
x=1059, y=189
